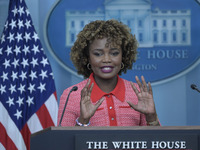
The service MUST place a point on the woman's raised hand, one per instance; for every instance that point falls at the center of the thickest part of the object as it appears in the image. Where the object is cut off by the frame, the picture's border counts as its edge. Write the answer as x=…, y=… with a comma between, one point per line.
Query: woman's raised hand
x=87, y=108
x=145, y=99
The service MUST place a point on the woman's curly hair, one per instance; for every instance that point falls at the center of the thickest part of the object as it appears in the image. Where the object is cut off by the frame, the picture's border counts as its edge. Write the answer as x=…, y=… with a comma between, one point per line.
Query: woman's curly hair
x=118, y=32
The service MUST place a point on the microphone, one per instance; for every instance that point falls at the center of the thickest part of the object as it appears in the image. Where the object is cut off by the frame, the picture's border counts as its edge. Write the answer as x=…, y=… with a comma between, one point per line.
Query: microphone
x=75, y=88
x=194, y=87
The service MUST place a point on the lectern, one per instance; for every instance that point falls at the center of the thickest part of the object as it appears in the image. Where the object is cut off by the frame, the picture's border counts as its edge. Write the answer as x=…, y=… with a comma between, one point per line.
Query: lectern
x=119, y=138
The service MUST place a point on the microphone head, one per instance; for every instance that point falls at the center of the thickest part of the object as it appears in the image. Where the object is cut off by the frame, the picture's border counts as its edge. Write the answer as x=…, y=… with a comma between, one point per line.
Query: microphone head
x=75, y=88
x=193, y=86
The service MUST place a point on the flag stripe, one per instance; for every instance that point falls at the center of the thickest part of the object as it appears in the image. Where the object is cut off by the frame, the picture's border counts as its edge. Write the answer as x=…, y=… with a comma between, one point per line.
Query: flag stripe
x=52, y=104
x=11, y=128
x=44, y=117
x=34, y=124
x=26, y=135
x=5, y=139
x=2, y=147
x=55, y=96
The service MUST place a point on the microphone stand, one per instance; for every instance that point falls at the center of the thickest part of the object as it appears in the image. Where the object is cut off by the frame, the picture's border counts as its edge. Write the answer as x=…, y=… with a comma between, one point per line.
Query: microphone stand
x=73, y=89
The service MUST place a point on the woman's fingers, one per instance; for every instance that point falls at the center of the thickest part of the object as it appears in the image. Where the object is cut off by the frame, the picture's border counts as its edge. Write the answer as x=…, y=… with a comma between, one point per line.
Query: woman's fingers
x=88, y=83
x=134, y=88
x=86, y=92
x=99, y=103
x=142, y=85
x=90, y=89
x=139, y=83
x=150, y=88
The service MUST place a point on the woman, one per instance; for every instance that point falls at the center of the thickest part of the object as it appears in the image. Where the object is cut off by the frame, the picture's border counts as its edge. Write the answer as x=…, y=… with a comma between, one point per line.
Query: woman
x=102, y=51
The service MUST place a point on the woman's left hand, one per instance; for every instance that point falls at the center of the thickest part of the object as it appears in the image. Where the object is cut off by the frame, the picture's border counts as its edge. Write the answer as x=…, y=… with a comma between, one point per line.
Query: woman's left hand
x=145, y=99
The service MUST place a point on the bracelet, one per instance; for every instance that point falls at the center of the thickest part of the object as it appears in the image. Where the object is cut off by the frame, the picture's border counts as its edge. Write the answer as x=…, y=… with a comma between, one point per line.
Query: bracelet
x=80, y=124
x=153, y=123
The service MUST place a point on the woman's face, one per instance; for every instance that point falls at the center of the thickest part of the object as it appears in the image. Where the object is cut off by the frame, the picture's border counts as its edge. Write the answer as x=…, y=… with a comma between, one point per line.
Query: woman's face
x=105, y=58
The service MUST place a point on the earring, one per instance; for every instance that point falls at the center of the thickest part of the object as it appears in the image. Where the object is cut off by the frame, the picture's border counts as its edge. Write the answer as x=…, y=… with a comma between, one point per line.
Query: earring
x=122, y=66
x=89, y=66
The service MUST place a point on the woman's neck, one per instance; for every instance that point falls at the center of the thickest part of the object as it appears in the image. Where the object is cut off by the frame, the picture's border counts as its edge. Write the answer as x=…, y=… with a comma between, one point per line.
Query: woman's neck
x=106, y=85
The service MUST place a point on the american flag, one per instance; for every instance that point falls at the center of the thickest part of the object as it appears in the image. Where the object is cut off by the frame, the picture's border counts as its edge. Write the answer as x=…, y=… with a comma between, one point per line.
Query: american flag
x=28, y=100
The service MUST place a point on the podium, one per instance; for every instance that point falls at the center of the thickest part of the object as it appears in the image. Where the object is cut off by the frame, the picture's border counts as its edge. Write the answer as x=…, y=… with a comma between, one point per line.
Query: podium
x=121, y=138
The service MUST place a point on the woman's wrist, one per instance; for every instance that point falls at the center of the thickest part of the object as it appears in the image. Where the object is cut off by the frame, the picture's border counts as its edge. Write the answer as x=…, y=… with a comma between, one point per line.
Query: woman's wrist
x=152, y=120
x=83, y=120
x=153, y=123
x=79, y=123
x=151, y=117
